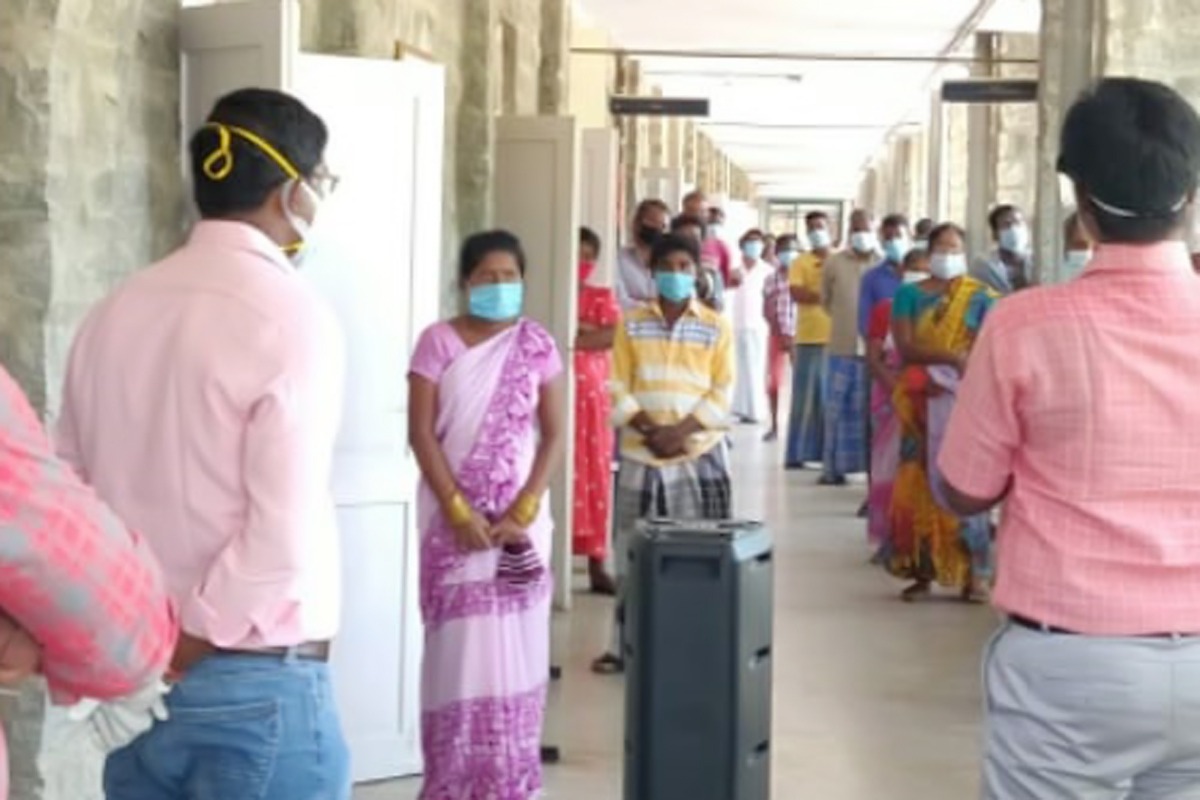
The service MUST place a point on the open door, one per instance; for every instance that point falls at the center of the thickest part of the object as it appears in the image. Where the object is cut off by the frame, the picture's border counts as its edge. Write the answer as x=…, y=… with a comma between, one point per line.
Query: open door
x=537, y=197
x=599, y=177
x=376, y=261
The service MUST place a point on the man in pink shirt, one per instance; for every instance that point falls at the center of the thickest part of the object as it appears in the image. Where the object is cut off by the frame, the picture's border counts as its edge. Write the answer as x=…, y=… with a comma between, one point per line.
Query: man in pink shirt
x=712, y=249
x=1078, y=409
x=202, y=400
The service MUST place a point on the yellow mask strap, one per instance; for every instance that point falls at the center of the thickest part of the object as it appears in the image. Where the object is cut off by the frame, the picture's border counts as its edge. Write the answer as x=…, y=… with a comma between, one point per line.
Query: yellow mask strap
x=219, y=164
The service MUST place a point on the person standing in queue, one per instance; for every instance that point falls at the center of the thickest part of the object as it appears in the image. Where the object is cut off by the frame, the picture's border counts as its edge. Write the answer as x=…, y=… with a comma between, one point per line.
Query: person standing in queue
x=779, y=310
x=203, y=399
x=592, y=495
x=749, y=328
x=1008, y=268
x=673, y=373
x=486, y=393
x=635, y=280
x=846, y=371
x=806, y=423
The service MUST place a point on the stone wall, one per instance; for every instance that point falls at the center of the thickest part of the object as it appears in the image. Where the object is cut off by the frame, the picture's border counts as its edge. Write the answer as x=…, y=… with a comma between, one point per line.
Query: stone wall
x=1015, y=128
x=492, y=51
x=90, y=185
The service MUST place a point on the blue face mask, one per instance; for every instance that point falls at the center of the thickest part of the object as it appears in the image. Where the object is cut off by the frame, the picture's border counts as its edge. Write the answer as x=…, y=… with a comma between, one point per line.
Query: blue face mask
x=895, y=250
x=496, y=302
x=675, y=287
x=753, y=249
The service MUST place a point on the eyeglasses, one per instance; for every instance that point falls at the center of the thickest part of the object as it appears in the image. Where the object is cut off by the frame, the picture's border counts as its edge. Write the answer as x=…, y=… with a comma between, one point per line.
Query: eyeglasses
x=324, y=183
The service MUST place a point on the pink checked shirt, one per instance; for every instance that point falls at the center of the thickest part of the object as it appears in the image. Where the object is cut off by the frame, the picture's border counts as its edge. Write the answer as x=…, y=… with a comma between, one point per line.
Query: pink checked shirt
x=83, y=586
x=1086, y=397
x=202, y=400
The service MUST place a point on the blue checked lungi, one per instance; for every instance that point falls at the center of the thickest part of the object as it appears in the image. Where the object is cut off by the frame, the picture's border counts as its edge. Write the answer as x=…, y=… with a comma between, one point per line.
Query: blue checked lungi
x=806, y=422
x=845, y=416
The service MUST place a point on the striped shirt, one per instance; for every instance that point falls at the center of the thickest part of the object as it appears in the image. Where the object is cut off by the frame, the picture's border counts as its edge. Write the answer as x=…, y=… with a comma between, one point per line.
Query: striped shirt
x=672, y=372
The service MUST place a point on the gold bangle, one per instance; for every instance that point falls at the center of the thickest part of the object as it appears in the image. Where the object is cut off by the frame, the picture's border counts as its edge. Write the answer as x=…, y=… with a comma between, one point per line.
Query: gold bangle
x=458, y=511
x=525, y=510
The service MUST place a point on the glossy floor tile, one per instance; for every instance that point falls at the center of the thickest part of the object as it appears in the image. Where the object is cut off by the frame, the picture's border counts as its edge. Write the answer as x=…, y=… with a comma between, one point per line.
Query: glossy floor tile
x=874, y=699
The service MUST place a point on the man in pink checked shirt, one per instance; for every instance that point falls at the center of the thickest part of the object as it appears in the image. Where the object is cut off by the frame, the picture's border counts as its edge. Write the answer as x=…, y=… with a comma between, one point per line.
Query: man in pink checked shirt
x=202, y=400
x=82, y=600
x=1081, y=409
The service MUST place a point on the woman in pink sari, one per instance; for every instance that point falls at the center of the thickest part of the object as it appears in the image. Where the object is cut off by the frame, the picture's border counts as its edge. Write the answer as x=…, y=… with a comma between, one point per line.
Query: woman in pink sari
x=487, y=396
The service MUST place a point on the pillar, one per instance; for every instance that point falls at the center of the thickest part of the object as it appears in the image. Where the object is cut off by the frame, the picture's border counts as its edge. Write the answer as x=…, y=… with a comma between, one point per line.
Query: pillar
x=1083, y=40
x=476, y=126
x=555, y=39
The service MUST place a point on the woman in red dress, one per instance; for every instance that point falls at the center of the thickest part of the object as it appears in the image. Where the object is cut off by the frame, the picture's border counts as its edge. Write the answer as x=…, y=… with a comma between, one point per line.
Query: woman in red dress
x=598, y=316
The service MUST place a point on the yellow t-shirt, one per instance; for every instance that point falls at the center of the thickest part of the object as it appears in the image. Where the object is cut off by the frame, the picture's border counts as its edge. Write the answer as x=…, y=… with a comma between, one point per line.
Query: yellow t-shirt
x=813, y=324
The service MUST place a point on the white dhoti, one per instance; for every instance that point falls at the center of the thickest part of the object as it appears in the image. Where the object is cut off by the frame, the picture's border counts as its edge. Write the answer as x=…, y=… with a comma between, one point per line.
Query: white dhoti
x=749, y=392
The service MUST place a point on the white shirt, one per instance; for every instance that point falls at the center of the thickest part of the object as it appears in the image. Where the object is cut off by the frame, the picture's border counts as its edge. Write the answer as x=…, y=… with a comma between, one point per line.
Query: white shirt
x=747, y=298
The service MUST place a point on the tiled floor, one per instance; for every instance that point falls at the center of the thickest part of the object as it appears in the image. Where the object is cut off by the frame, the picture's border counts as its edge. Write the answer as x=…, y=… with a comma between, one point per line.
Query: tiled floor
x=873, y=698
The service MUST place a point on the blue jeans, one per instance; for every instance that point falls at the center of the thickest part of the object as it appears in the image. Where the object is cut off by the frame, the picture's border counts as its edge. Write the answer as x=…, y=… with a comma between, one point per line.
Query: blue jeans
x=240, y=728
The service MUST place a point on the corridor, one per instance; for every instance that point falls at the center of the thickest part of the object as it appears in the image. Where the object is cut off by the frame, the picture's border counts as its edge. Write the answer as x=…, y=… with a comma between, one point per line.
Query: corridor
x=873, y=698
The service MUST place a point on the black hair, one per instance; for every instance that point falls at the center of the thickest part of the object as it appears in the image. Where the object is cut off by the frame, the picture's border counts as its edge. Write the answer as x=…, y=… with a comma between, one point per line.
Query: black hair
x=786, y=239
x=1133, y=145
x=479, y=246
x=813, y=216
x=674, y=243
x=894, y=221
x=942, y=229
x=649, y=204
x=695, y=194
x=286, y=124
x=589, y=237
x=688, y=221
x=1002, y=210
x=753, y=233
x=913, y=256
x=924, y=224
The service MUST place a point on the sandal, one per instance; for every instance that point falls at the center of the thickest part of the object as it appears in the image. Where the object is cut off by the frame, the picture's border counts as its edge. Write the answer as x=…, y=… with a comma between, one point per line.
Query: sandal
x=976, y=593
x=609, y=664
x=918, y=591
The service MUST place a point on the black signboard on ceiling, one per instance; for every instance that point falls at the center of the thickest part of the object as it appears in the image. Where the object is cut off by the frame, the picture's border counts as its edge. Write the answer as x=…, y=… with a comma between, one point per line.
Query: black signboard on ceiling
x=623, y=106
x=990, y=90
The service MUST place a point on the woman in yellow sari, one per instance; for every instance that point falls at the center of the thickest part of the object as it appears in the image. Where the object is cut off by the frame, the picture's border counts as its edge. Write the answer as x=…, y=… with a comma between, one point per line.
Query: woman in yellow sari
x=934, y=324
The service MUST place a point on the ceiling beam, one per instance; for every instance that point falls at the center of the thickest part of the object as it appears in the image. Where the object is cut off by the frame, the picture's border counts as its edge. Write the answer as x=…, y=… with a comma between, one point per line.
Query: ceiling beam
x=945, y=57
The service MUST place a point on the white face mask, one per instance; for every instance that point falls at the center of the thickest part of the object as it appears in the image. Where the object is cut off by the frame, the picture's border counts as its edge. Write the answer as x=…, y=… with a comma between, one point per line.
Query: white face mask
x=304, y=229
x=921, y=244
x=1015, y=239
x=819, y=239
x=863, y=242
x=916, y=277
x=948, y=266
x=1075, y=262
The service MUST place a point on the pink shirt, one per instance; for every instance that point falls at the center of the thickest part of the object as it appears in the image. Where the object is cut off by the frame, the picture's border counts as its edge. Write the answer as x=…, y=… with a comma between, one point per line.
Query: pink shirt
x=1085, y=396
x=202, y=401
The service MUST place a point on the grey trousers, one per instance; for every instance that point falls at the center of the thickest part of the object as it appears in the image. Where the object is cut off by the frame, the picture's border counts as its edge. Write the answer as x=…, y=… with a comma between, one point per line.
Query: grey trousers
x=1091, y=718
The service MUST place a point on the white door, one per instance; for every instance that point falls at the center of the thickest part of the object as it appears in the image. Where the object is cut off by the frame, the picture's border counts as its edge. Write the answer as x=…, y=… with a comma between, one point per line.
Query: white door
x=664, y=183
x=376, y=261
x=537, y=198
x=599, y=175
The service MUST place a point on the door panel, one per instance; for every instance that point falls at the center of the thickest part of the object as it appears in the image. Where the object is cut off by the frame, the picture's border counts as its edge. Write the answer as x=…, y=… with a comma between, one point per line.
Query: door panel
x=598, y=180
x=537, y=198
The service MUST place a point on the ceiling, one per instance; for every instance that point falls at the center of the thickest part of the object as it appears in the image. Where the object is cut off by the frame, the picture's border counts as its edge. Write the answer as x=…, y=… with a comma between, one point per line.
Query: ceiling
x=801, y=128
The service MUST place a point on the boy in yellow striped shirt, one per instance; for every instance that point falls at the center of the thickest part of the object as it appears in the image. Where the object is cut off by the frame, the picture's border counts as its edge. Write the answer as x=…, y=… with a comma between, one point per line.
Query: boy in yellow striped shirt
x=671, y=383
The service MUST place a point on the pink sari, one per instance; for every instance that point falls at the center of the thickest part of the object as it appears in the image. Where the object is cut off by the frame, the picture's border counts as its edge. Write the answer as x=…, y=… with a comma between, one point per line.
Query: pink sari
x=487, y=636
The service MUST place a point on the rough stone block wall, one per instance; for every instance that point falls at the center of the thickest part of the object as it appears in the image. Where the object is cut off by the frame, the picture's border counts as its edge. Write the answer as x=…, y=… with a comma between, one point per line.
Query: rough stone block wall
x=90, y=185
x=464, y=36
x=956, y=162
x=1016, y=128
x=1154, y=39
